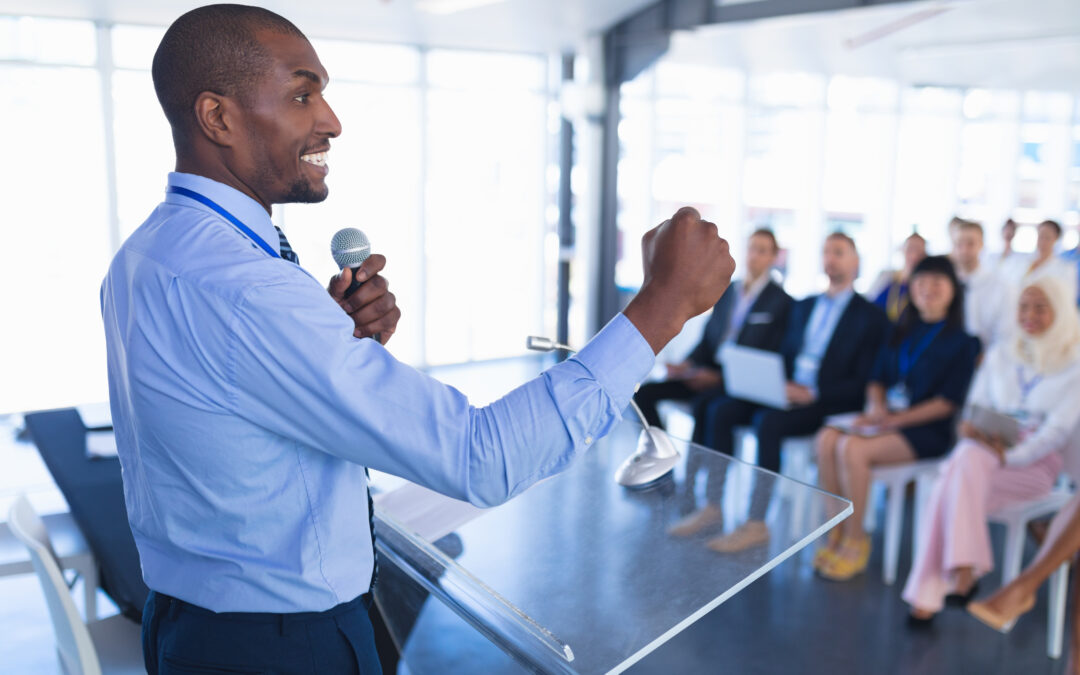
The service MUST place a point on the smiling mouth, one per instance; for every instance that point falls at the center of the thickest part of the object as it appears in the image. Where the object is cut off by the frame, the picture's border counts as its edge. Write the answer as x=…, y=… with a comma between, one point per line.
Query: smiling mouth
x=316, y=158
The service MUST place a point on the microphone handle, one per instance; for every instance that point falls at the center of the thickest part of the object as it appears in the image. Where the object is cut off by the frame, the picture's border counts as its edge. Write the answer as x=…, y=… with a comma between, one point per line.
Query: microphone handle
x=354, y=286
x=352, y=289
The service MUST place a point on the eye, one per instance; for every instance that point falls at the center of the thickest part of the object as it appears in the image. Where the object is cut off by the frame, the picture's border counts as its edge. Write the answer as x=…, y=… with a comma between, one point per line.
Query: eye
x=302, y=98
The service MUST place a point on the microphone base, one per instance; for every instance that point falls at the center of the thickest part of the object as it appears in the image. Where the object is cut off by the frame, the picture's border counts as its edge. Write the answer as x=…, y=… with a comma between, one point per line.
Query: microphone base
x=654, y=459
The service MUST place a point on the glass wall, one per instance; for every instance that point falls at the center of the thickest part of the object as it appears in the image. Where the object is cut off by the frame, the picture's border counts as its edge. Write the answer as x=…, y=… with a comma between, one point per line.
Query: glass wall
x=444, y=161
x=807, y=154
x=55, y=227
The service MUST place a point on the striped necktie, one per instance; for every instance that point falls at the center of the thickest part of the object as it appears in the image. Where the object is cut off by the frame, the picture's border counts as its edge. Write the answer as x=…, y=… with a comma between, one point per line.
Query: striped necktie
x=286, y=250
x=288, y=254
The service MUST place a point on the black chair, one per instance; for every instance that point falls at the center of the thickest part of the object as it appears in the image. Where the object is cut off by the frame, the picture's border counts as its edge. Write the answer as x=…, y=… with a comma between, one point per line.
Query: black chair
x=94, y=491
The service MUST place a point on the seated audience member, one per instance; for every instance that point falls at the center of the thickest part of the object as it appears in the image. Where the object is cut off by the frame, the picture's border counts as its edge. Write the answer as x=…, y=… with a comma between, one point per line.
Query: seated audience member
x=999, y=261
x=828, y=351
x=890, y=291
x=1043, y=263
x=982, y=290
x=752, y=312
x=1035, y=376
x=1072, y=256
x=1002, y=609
x=917, y=387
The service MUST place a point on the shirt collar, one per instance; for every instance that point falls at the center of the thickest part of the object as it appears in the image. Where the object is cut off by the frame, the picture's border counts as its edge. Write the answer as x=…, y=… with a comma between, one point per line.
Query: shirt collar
x=248, y=211
x=754, y=290
x=840, y=298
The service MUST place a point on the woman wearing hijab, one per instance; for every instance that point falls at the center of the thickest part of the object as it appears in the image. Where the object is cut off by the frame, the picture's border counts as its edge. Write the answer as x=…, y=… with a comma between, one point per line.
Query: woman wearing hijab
x=1035, y=378
x=916, y=389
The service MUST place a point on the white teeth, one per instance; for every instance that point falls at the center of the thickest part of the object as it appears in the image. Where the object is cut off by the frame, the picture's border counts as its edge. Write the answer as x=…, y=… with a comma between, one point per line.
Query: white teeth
x=316, y=158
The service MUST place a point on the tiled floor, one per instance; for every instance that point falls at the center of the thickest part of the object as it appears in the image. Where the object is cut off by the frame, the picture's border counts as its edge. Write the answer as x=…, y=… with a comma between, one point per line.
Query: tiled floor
x=787, y=622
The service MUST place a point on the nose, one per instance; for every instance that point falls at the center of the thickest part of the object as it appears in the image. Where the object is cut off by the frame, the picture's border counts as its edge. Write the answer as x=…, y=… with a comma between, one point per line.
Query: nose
x=329, y=124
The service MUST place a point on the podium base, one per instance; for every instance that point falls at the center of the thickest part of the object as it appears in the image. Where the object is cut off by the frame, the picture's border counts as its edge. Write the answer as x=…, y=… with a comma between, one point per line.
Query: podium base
x=654, y=458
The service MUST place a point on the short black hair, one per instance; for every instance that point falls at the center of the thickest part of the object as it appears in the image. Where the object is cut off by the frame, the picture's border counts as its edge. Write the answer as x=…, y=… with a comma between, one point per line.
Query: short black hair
x=954, y=318
x=212, y=48
x=1053, y=224
x=768, y=234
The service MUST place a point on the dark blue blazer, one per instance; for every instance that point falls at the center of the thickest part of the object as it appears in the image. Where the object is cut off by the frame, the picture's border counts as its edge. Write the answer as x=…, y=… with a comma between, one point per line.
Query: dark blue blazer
x=944, y=368
x=849, y=358
x=763, y=328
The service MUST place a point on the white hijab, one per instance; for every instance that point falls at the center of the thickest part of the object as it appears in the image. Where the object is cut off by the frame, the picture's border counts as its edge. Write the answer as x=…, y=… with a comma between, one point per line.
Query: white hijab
x=1059, y=345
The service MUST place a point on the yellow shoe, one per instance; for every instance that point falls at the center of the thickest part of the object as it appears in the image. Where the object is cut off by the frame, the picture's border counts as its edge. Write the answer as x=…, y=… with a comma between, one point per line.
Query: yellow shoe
x=827, y=552
x=850, y=562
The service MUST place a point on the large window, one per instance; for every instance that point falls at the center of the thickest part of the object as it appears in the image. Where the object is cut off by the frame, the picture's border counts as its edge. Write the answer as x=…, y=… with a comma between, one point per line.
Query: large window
x=444, y=162
x=806, y=154
x=55, y=225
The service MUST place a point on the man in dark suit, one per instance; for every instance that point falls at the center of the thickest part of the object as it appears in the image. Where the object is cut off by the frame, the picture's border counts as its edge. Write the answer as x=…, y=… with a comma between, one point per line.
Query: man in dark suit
x=752, y=312
x=828, y=349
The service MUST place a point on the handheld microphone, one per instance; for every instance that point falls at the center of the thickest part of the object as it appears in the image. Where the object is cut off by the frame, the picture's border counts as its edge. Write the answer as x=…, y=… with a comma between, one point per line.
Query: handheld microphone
x=350, y=248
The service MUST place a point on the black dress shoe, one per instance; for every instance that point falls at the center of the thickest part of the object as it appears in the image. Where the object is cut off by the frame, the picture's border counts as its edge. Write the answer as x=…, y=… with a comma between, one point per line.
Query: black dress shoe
x=962, y=599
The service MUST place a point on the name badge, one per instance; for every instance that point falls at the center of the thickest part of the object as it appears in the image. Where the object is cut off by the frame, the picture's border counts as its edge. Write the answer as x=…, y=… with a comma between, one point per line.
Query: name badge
x=758, y=318
x=897, y=398
x=806, y=370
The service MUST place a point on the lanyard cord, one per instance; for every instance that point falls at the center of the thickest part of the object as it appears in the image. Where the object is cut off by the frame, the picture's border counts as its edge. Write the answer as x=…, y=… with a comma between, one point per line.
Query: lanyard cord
x=244, y=229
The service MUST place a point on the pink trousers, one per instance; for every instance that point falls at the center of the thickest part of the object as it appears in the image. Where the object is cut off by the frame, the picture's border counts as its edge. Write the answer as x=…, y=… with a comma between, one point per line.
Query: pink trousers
x=955, y=532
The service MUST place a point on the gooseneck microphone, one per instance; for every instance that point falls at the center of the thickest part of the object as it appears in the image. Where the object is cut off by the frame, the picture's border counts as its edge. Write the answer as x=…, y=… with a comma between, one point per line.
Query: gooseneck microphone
x=350, y=248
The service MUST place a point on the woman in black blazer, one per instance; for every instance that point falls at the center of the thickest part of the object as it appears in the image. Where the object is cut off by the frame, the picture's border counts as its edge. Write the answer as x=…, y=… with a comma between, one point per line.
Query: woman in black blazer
x=916, y=389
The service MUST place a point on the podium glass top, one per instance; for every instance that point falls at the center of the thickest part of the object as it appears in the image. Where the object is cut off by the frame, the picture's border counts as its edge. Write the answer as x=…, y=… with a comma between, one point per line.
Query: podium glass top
x=581, y=575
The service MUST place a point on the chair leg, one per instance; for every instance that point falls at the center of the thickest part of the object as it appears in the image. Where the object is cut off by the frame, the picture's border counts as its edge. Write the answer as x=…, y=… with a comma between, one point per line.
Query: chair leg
x=894, y=524
x=1014, y=550
x=923, y=486
x=869, y=518
x=1055, y=633
x=90, y=586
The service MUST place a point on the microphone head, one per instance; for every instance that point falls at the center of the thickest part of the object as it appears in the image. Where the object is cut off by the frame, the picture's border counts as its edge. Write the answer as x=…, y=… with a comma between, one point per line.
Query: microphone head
x=350, y=247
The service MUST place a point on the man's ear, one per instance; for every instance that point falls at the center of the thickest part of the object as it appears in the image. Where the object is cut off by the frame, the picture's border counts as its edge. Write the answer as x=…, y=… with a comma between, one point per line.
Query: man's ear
x=214, y=117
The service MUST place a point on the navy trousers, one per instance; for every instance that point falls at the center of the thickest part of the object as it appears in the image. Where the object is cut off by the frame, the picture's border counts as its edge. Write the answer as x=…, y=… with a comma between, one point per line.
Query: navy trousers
x=181, y=638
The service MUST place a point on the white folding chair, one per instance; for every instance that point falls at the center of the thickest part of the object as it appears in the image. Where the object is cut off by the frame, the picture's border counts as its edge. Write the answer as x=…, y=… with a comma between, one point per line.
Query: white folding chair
x=112, y=645
x=894, y=479
x=1015, y=518
x=71, y=552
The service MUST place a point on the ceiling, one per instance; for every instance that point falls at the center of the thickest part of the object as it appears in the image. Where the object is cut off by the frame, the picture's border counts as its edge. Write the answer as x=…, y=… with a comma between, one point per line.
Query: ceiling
x=509, y=25
x=1013, y=44
x=989, y=43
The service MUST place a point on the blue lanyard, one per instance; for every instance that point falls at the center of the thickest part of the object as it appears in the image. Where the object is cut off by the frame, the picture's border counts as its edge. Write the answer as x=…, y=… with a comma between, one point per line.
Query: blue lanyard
x=244, y=229
x=908, y=357
x=1026, y=385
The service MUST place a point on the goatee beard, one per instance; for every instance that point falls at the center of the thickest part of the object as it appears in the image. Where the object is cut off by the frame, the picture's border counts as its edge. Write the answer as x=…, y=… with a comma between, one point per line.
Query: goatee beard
x=303, y=192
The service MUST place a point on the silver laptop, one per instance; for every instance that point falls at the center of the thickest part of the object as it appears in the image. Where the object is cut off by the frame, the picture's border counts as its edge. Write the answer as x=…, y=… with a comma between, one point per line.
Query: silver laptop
x=755, y=375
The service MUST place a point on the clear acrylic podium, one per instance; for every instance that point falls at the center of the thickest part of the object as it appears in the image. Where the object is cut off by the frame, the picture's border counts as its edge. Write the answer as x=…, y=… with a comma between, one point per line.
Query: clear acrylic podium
x=578, y=574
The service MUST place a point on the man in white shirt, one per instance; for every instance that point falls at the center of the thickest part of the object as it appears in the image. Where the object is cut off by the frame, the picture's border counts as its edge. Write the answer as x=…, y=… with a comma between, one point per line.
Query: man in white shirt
x=1044, y=262
x=982, y=287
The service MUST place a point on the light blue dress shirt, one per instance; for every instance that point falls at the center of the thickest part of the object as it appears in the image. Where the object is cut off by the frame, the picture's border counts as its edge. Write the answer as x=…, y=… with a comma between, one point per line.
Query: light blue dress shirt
x=245, y=412
x=819, y=331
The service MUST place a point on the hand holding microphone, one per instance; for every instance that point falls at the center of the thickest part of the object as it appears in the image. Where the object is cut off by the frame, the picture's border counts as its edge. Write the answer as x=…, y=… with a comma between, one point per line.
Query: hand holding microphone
x=359, y=288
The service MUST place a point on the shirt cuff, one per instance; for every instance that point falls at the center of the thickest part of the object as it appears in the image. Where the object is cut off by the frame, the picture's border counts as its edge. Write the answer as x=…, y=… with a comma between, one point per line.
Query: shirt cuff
x=619, y=358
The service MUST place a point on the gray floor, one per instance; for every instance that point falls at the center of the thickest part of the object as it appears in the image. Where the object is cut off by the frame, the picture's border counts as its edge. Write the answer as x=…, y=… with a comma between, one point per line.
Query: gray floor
x=787, y=622
x=790, y=621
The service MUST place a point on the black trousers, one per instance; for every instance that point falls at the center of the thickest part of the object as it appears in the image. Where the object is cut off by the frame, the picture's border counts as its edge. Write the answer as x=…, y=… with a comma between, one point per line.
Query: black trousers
x=181, y=638
x=771, y=426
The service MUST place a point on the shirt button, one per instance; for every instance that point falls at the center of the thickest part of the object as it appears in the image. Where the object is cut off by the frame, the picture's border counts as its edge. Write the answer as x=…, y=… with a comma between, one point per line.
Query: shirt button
x=588, y=440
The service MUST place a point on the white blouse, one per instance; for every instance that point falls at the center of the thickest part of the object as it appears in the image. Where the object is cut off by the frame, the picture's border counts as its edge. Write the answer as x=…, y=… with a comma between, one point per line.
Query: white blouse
x=1005, y=385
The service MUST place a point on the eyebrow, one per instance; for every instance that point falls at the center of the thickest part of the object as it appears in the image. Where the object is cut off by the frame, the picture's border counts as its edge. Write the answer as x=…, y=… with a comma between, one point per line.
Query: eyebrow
x=307, y=75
